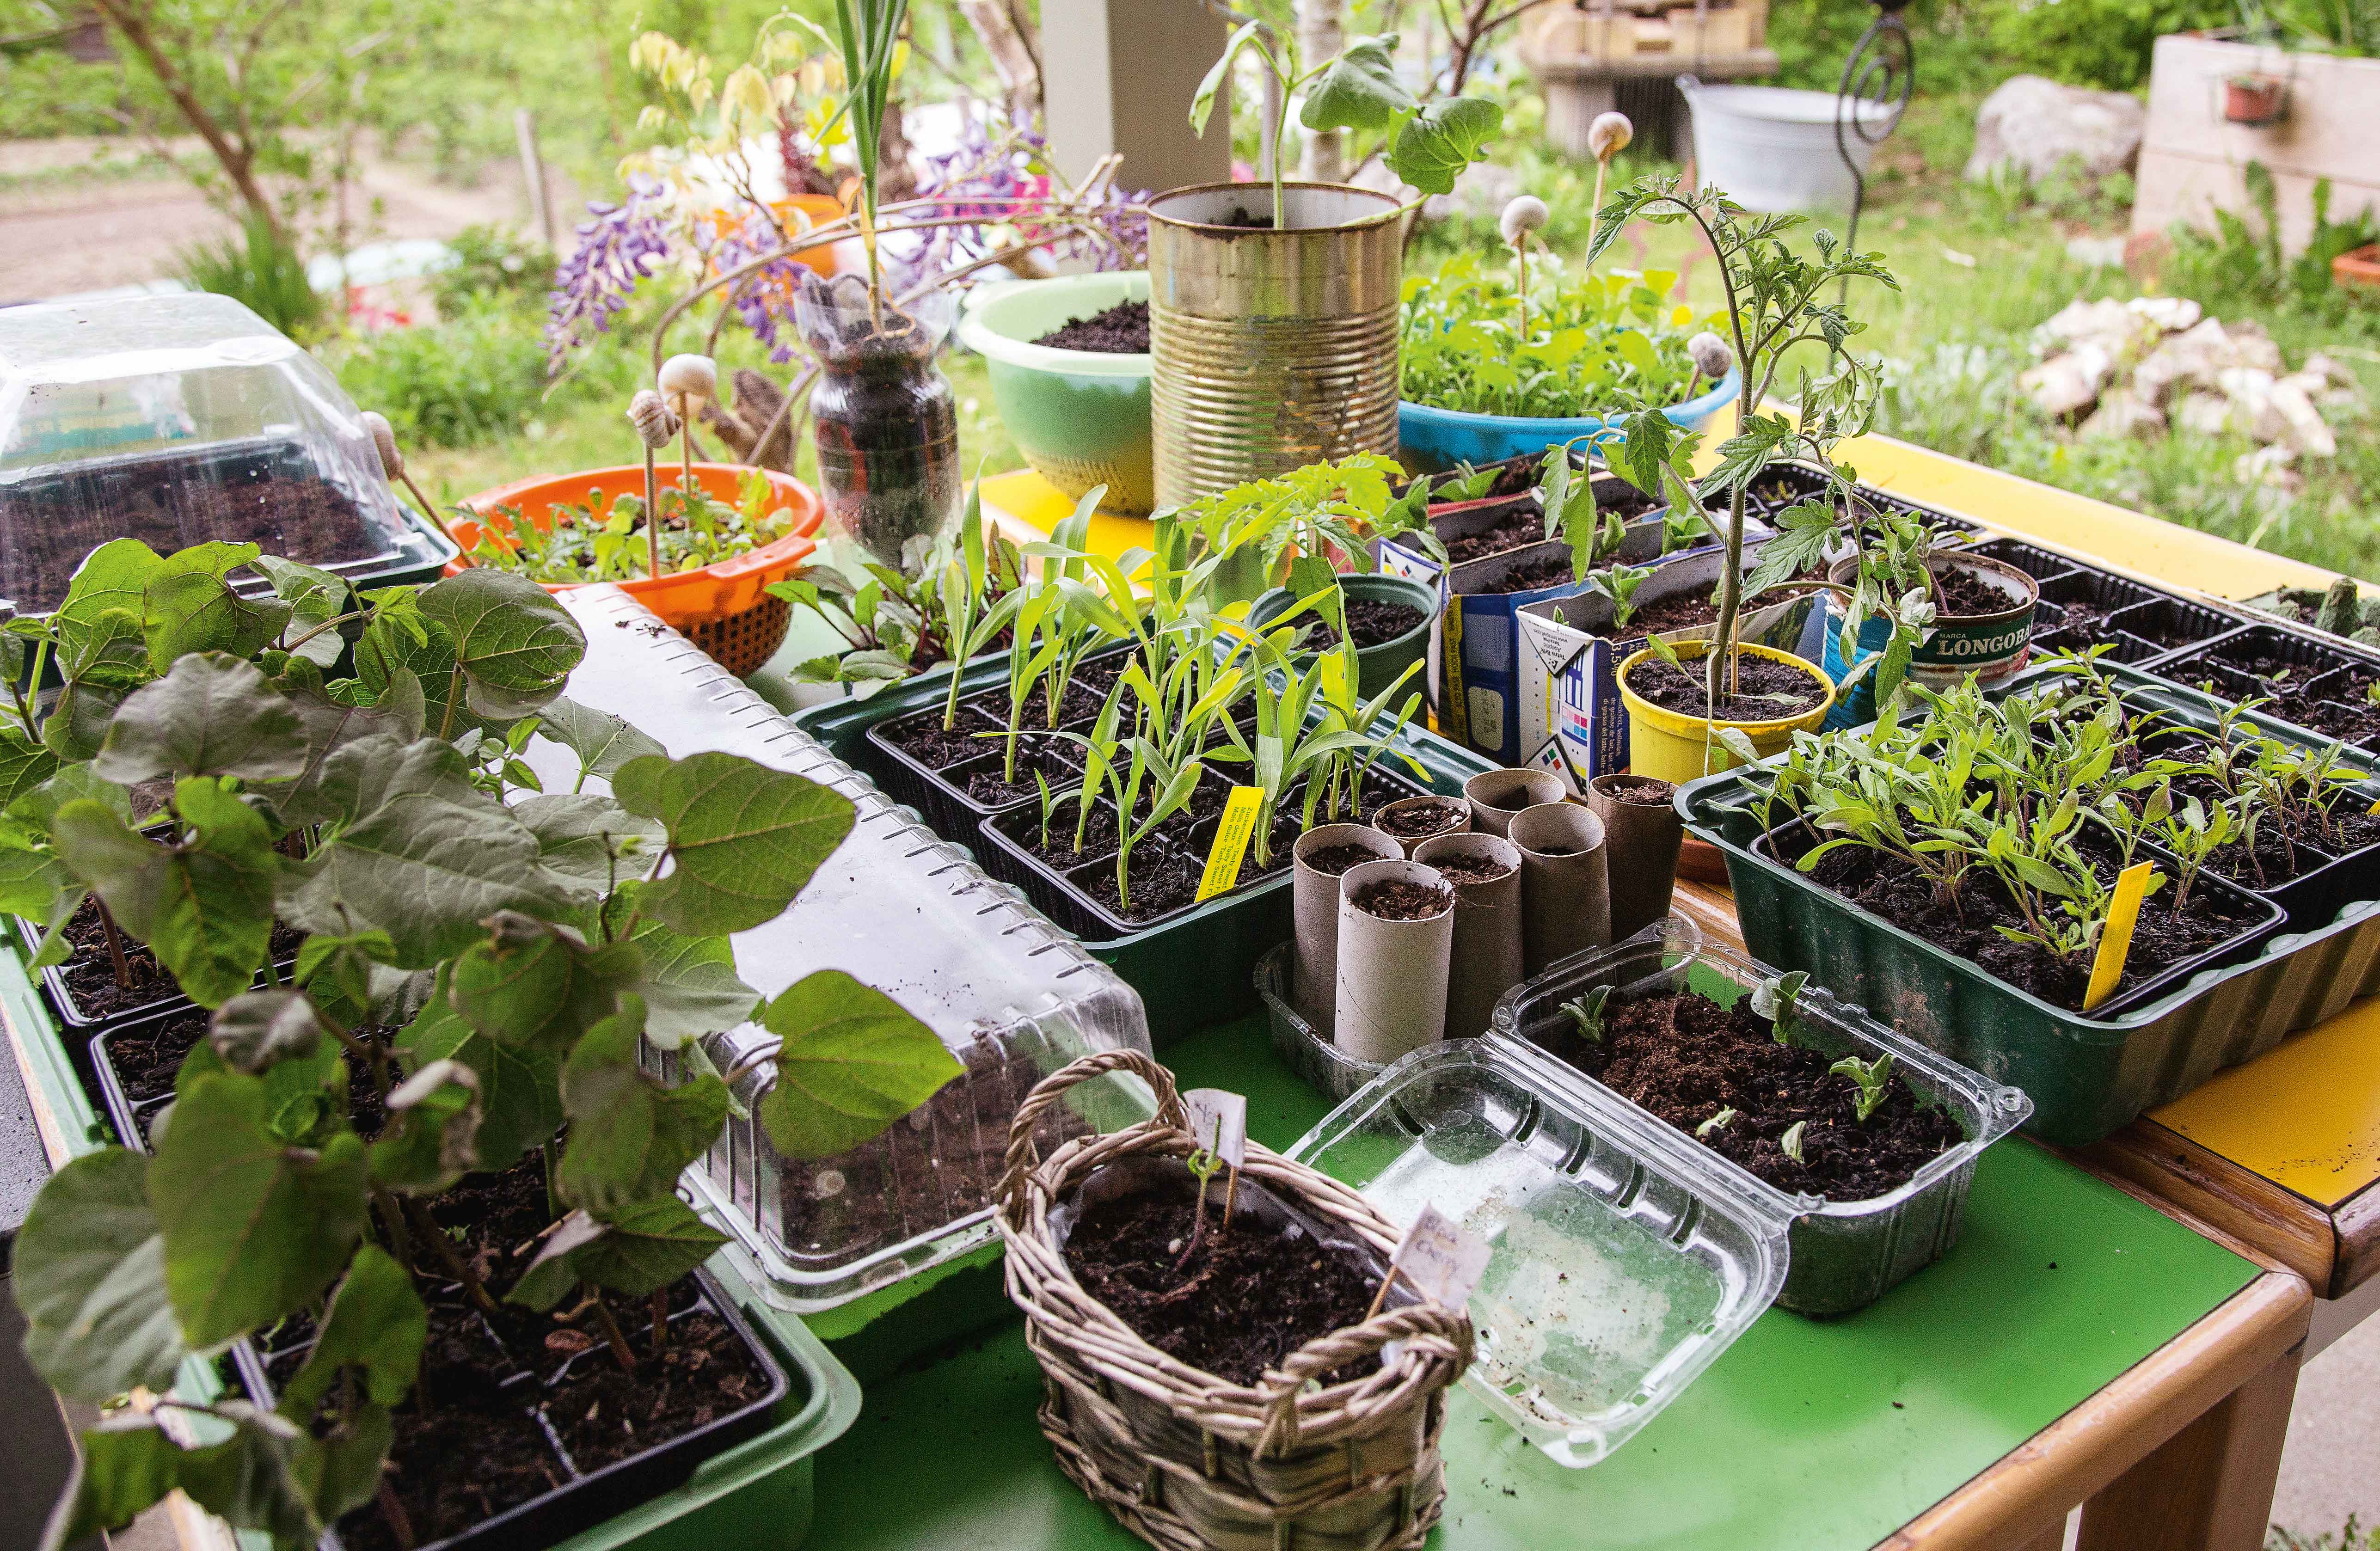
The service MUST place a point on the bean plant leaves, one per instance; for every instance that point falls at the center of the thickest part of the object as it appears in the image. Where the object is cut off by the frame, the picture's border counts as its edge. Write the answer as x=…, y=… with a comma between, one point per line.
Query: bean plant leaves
x=212, y=715
x=109, y=665
x=256, y=1029
x=32, y=882
x=1359, y=90
x=535, y=985
x=24, y=764
x=355, y=779
x=340, y=971
x=126, y=1466
x=689, y=984
x=340, y=1472
x=631, y=1134
x=1434, y=146
x=72, y=782
x=91, y=1279
x=316, y=596
x=204, y=907
x=426, y=869
x=254, y=1227
x=377, y=1323
x=580, y=835
x=642, y=1249
x=520, y=1093
x=189, y=606
x=111, y=579
x=744, y=838
x=393, y=665
x=602, y=742
x=248, y=1480
x=852, y=1062
x=432, y=1138
x=515, y=643
x=1202, y=102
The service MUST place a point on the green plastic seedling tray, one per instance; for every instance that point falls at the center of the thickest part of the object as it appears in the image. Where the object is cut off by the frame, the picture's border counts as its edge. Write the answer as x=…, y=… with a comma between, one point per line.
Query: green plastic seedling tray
x=2086, y=1076
x=760, y=1493
x=1193, y=970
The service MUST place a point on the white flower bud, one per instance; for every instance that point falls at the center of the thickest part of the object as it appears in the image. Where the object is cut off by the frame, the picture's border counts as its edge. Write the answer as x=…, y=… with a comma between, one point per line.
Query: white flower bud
x=392, y=462
x=655, y=425
x=1525, y=215
x=687, y=381
x=1710, y=355
x=1609, y=135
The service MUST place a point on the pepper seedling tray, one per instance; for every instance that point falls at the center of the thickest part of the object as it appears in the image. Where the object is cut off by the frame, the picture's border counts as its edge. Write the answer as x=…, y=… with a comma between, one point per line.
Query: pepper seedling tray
x=2336, y=677
x=2087, y=1075
x=1620, y=1266
x=1846, y=1255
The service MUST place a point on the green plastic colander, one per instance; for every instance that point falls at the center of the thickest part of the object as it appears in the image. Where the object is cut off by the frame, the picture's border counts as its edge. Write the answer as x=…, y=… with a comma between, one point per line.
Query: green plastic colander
x=1080, y=417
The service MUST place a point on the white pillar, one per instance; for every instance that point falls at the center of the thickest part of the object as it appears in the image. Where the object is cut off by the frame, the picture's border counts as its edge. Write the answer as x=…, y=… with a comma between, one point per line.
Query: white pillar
x=1118, y=75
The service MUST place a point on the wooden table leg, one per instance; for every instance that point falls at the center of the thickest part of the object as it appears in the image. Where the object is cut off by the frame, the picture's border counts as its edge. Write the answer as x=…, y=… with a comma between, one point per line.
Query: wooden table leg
x=2210, y=1486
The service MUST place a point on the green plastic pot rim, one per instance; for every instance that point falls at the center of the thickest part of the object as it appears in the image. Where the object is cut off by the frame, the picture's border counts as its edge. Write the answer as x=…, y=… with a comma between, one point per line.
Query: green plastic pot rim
x=982, y=327
x=1363, y=584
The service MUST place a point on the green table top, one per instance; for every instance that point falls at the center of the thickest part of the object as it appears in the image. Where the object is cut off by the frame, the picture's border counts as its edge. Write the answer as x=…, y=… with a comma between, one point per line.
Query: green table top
x=1803, y=1434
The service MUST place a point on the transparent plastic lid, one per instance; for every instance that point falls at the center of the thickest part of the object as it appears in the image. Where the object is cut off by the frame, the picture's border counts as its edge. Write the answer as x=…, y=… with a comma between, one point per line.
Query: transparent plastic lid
x=1620, y=1270
x=175, y=420
x=908, y=914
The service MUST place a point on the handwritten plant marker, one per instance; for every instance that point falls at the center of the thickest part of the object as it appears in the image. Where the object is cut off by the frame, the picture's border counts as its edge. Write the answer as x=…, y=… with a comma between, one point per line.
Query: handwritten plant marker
x=2116, y=938
x=1438, y=1258
x=1218, y=1119
x=1232, y=833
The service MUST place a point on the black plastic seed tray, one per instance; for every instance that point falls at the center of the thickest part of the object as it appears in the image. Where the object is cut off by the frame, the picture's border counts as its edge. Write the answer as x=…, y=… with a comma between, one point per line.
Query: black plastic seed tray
x=2317, y=686
x=2041, y=564
x=132, y=1104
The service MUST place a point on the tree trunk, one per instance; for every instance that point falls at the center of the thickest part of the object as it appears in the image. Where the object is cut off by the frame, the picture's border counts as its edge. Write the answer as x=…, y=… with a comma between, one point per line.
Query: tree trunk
x=237, y=159
x=1016, y=52
x=1321, y=33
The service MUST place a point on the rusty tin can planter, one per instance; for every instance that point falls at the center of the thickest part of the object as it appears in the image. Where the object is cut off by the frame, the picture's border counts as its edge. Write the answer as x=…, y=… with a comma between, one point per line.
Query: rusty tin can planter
x=1270, y=349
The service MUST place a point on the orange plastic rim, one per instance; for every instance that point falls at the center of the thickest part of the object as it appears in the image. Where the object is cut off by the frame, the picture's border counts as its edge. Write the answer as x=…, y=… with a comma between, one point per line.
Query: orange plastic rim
x=687, y=598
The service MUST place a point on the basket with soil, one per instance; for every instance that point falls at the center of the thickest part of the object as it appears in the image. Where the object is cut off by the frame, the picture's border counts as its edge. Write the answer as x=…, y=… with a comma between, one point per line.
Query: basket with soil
x=1867, y=1140
x=1212, y=1356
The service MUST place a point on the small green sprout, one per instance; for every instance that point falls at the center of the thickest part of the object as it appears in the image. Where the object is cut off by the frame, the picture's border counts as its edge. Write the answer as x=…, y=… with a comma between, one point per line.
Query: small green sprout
x=1774, y=999
x=1872, y=1077
x=1791, y=1141
x=1203, y=1164
x=1719, y=1122
x=1587, y=1013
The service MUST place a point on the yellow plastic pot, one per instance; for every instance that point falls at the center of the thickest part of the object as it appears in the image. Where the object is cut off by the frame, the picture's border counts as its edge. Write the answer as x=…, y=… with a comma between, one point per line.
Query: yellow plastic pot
x=1670, y=745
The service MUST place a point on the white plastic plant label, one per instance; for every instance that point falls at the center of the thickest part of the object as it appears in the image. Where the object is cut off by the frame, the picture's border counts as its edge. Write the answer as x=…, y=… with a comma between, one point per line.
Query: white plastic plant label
x=1219, y=1120
x=1440, y=1260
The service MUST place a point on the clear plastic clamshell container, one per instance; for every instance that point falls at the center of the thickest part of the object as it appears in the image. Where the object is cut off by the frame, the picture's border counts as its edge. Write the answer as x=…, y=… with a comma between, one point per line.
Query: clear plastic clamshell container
x=1620, y=1268
x=176, y=420
x=910, y=914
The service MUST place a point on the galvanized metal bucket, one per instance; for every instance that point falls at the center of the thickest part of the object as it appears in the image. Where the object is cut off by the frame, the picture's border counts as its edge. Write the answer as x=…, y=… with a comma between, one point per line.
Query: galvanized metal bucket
x=1272, y=350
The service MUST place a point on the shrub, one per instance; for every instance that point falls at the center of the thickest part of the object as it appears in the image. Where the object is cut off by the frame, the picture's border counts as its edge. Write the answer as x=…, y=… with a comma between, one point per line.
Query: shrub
x=473, y=378
x=262, y=271
x=2095, y=43
x=491, y=263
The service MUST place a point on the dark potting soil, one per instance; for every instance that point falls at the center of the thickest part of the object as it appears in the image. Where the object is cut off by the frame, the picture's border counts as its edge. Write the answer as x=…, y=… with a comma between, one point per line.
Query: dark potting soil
x=90, y=971
x=1398, y=899
x=1641, y=791
x=1423, y=820
x=1333, y=860
x=1122, y=330
x=1552, y=571
x=2082, y=623
x=1685, y=1057
x=925, y=740
x=603, y=1413
x=992, y=786
x=1374, y=621
x=1465, y=872
x=1246, y=220
x=1964, y=595
x=1099, y=836
x=1765, y=689
x=1243, y=1300
x=1965, y=926
x=887, y=435
x=1162, y=882
x=145, y=1062
x=1526, y=525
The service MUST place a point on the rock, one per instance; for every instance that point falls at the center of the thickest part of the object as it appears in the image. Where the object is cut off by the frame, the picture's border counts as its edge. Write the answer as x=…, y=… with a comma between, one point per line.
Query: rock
x=2035, y=124
x=2065, y=384
x=2302, y=425
x=2123, y=412
x=2250, y=346
x=2250, y=393
x=2269, y=468
x=2096, y=252
x=2171, y=314
x=2204, y=414
x=2111, y=325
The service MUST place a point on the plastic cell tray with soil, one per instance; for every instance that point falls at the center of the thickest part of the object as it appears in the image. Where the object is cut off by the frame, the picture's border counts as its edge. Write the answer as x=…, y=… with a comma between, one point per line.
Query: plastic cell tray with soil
x=2304, y=683
x=87, y=991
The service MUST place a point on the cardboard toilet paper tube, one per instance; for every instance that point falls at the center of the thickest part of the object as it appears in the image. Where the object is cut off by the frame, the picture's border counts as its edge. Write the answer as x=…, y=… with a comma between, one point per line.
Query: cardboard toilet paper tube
x=1386, y=820
x=1641, y=849
x=1565, y=885
x=1313, y=903
x=1496, y=797
x=1487, y=956
x=1391, y=974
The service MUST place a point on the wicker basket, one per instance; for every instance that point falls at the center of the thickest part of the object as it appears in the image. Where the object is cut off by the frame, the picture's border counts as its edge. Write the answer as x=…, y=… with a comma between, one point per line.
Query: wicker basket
x=1182, y=1459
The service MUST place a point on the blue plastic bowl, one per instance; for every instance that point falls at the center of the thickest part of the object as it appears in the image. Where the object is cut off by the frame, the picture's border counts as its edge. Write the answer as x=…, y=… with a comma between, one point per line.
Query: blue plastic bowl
x=1435, y=440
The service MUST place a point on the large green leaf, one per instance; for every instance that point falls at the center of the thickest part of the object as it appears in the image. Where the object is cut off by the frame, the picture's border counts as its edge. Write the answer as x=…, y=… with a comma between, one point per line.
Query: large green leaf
x=24, y=764
x=110, y=663
x=852, y=1062
x=689, y=984
x=515, y=644
x=631, y=1134
x=377, y=1324
x=426, y=869
x=91, y=1280
x=357, y=778
x=531, y=984
x=111, y=579
x=744, y=838
x=520, y=1090
x=644, y=1248
x=432, y=1138
x=602, y=742
x=249, y=1480
x=256, y=1030
x=255, y=1228
x=203, y=905
x=393, y=664
x=340, y=1470
x=316, y=596
x=212, y=715
x=126, y=1466
x=31, y=882
x=582, y=837
x=1435, y=144
x=1359, y=90
x=189, y=606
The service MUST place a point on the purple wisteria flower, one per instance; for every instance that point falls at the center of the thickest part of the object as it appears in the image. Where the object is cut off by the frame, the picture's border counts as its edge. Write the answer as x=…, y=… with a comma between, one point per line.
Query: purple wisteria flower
x=618, y=248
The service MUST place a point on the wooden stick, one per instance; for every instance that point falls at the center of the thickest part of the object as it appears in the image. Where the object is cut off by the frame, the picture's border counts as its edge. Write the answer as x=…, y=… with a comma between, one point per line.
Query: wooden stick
x=652, y=517
x=1382, y=1295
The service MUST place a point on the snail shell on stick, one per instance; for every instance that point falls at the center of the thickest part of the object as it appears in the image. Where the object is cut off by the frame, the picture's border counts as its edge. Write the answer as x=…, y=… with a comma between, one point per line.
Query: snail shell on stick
x=655, y=425
x=1609, y=135
x=686, y=382
x=1527, y=214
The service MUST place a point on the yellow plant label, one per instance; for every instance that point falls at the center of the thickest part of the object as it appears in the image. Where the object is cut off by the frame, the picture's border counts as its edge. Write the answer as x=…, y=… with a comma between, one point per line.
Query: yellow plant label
x=2374, y=810
x=1232, y=835
x=2116, y=938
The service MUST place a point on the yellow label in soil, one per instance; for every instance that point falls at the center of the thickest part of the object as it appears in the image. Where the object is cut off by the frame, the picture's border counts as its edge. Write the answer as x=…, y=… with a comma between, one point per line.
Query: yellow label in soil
x=2374, y=810
x=2116, y=938
x=1232, y=835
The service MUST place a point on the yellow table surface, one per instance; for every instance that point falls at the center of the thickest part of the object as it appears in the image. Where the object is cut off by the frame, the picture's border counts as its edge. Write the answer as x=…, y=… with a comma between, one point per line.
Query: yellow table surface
x=2305, y=1116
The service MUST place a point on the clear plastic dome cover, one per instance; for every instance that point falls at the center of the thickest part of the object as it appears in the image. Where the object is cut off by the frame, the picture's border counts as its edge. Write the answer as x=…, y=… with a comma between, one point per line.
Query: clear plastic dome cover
x=177, y=419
